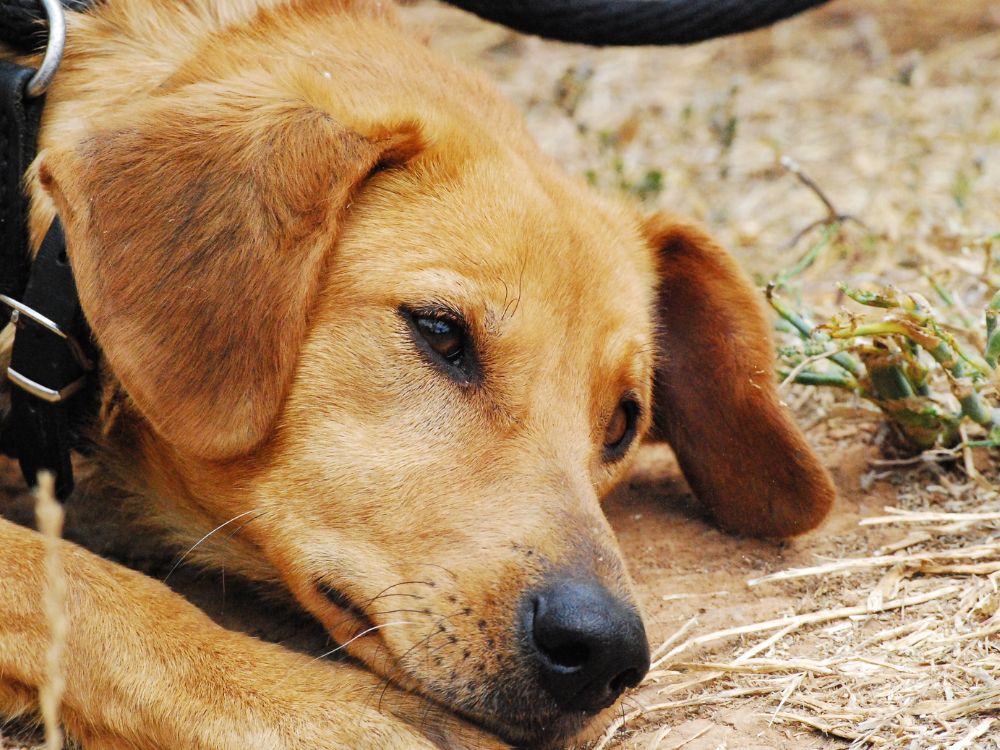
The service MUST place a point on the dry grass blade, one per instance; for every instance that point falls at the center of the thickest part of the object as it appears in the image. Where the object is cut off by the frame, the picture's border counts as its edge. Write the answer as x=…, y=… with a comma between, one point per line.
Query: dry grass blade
x=711, y=699
x=865, y=563
x=983, y=702
x=676, y=636
x=975, y=569
x=49, y=514
x=928, y=517
x=811, y=618
x=977, y=731
x=757, y=666
x=822, y=726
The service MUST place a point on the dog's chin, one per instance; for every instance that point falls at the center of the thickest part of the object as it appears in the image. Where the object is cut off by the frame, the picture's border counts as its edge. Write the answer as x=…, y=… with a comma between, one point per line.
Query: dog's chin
x=536, y=734
x=538, y=726
x=520, y=715
x=534, y=724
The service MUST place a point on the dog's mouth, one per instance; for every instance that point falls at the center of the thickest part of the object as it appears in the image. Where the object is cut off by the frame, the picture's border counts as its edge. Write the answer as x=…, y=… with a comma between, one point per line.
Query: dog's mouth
x=495, y=705
x=355, y=616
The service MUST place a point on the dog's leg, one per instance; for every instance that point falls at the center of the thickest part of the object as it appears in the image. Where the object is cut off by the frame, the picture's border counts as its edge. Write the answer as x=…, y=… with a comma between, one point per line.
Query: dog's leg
x=146, y=669
x=715, y=396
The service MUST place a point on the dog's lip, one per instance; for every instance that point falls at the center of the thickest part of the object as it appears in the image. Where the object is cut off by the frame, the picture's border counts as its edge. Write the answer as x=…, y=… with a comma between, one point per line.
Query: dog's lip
x=343, y=602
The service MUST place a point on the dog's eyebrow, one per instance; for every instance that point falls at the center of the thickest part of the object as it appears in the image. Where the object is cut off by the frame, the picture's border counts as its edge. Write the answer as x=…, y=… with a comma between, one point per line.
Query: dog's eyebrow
x=480, y=306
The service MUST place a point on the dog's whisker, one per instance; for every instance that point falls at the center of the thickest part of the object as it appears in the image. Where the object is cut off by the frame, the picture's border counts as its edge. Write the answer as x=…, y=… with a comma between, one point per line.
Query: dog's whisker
x=428, y=707
x=402, y=583
x=337, y=624
x=243, y=525
x=389, y=675
x=520, y=286
x=363, y=609
x=218, y=528
x=400, y=667
x=632, y=702
x=383, y=593
x=431, y=652
x=441, y=567
x=362, y=634
x=397, y=611
x=386, y=596
x=415, y=646
x=344, y=645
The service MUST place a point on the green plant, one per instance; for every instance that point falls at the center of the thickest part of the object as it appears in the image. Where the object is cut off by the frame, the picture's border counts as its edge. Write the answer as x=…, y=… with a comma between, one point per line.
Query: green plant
x=905, y=359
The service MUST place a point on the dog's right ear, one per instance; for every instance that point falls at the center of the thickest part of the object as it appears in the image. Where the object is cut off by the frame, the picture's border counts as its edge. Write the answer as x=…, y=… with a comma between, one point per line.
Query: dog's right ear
x=198, y=235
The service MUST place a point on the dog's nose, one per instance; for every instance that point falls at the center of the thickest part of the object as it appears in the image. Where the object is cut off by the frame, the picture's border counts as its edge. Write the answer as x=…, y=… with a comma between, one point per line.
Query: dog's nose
x=589, y=644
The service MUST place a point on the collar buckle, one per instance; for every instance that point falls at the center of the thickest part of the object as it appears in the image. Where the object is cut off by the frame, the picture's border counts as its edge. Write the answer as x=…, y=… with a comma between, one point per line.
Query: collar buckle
x=49, y=365
x=19, y=312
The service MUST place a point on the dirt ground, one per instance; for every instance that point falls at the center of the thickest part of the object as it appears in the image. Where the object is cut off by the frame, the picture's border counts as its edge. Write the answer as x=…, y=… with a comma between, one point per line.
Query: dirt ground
x=893, y=109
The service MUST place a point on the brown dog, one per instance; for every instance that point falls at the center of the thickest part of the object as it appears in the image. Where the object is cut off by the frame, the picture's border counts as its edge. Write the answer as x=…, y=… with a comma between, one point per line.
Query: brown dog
x=348, y=311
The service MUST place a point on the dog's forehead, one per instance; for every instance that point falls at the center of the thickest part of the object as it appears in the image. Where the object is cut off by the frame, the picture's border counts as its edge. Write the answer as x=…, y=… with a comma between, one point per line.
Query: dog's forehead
x=509, y=238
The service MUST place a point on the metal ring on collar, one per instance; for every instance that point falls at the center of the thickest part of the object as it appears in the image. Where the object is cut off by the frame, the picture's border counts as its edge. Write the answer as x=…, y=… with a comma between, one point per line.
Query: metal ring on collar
x=40, y=81
x=49, y=395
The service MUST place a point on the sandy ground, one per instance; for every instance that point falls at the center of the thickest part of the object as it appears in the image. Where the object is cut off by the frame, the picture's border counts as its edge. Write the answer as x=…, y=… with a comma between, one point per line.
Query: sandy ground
x=892, y=108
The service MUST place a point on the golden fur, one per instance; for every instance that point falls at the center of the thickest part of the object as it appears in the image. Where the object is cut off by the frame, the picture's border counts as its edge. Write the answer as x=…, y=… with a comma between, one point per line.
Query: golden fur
x=250, y=191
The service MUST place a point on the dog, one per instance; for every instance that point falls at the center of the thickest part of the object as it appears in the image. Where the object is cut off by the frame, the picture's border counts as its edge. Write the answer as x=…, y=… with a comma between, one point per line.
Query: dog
x=348, y=312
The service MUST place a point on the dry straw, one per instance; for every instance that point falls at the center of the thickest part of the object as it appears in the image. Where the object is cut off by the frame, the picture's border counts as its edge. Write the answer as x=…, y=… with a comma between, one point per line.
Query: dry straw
x=915, y=663
x=49, y=514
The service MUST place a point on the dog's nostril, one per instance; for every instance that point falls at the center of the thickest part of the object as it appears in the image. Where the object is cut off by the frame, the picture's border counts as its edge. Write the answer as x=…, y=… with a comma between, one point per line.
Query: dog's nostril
x=569, y=656
x=627, y=679
x=557, y=645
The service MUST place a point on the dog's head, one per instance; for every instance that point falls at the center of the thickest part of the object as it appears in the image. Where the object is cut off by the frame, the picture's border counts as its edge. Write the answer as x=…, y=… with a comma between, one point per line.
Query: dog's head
x=409, y=357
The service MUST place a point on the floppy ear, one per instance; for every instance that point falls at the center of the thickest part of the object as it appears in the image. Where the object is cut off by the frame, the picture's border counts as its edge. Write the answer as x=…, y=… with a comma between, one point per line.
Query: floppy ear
x=714, y=396
x=198, y=235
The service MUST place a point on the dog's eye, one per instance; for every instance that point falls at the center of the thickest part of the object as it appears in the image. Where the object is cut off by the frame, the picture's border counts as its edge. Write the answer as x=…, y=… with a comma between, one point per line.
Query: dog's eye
x=620, y=429
x=444, y=336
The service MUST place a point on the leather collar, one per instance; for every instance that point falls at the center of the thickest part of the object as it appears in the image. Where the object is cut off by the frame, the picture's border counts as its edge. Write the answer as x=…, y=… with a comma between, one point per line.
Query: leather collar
x=52, y=352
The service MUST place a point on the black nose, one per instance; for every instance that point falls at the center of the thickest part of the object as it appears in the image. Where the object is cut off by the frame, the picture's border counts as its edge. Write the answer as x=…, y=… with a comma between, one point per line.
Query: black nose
x=589, y=644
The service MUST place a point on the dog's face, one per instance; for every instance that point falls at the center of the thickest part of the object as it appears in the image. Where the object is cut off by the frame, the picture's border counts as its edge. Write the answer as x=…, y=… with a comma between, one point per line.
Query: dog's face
x=399, y=358
x=477, y=376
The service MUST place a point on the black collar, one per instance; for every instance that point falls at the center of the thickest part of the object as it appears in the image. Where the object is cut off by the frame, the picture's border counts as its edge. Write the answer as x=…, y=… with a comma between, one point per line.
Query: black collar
x=51, y=356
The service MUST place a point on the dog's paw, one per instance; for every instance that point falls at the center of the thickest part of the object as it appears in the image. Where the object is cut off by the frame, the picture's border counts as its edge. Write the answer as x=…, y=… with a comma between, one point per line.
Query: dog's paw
x=366, y=714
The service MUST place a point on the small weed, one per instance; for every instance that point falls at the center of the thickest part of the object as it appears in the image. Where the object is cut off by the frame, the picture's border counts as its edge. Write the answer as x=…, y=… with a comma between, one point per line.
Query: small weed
x=929, y=381
x=646, y=186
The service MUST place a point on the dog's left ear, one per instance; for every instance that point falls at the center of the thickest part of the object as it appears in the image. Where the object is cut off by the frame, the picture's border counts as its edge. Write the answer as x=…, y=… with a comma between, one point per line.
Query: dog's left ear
x=198, y=235
x=714, y=396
